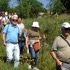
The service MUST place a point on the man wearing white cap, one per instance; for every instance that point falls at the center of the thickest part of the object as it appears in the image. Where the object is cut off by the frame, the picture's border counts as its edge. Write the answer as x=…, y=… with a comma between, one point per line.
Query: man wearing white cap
x=11, y=33
x=61, y=48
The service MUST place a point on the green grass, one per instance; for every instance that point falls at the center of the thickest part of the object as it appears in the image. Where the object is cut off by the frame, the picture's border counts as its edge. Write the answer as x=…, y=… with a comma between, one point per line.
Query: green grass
x=49, y=26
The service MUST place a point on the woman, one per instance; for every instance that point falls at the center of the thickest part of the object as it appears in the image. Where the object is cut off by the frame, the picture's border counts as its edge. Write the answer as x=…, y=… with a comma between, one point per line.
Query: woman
x=33, y=38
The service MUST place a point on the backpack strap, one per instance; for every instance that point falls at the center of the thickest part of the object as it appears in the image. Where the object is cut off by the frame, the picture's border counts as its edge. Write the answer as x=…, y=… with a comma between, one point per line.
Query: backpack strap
x=65, y=40
x=7, y=28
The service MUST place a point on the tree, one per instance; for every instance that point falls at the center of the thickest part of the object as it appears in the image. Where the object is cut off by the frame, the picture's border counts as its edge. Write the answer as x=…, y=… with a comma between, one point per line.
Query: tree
x=29, y=8
x=4, y=5
x=56, y=6
x=66, y=4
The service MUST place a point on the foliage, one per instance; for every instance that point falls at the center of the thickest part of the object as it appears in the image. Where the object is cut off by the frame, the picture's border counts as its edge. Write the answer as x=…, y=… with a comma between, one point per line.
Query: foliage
x=29, y=8
x=4, y=5
x=66, y=4
x=57, y=7
x=51, y=28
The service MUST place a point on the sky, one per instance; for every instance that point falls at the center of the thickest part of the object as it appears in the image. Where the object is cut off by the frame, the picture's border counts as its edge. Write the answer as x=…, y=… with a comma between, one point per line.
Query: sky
x=13, y=3
x=45, y=2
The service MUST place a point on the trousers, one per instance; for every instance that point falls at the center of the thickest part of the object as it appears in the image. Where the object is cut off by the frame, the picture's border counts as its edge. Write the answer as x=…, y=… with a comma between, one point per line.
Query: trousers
x=64, y=66
x=12, y=51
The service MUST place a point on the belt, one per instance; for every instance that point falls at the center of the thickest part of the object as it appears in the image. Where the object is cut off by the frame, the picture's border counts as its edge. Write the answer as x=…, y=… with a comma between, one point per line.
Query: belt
x=66, y=62
x=12, y=42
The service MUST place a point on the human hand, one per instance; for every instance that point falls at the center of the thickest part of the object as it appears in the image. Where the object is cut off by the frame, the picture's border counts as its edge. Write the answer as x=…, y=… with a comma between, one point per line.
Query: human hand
x=28, y=50
x=59, y=63
x=4, y=44
x=44, y=36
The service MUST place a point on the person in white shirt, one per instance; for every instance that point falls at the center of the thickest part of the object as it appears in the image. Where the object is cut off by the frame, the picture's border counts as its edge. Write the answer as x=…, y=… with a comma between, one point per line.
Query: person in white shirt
x=22, y=38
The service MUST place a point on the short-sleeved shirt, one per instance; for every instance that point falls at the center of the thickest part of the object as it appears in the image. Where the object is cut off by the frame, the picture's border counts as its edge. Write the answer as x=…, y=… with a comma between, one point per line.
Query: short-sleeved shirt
x=62, y=49
x=12, y=33
x=33, y=35
x=21, y=26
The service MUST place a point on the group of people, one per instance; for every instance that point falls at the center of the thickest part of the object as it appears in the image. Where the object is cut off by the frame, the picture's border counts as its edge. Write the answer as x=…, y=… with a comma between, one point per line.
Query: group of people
x=16, y=36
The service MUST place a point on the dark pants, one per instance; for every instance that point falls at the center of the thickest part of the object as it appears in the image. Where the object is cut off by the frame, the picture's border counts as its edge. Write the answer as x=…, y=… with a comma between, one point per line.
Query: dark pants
x=65, y=66
x=21, y=45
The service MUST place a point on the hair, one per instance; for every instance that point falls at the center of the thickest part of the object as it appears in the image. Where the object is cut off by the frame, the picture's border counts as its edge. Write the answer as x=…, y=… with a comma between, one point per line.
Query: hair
x=20, y=17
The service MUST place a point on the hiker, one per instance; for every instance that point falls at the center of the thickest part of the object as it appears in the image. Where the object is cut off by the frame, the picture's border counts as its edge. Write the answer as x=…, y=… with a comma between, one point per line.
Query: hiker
x=11, y=32
x=22, y=38
x=0, y=22
x=4, y=19
x=34, y=44
x=61, y=48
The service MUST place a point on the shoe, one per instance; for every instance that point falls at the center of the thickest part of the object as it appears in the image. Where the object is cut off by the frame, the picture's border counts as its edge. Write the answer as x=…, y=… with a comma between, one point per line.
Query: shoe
x=29, y=67
x=35, y=68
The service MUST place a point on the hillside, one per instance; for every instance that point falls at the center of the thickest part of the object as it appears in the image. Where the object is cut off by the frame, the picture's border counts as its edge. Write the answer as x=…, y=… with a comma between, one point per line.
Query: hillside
x=50, y=26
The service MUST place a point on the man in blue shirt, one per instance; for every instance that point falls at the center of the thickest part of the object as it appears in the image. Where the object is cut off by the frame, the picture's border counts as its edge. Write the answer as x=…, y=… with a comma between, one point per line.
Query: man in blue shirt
x=11, y=34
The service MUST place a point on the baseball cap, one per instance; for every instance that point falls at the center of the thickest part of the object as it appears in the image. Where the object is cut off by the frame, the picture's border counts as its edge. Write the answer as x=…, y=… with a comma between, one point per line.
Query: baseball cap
x=35, y=24
x=65, y=25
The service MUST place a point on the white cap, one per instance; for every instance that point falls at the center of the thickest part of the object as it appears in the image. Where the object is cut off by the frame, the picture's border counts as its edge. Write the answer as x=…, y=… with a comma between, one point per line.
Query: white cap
x=35, y=24
x=65, y=25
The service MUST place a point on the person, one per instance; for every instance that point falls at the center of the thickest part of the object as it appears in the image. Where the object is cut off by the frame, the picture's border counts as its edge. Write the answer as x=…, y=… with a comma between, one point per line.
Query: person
x=22, y=38
x=4, y=19
x=33, y=36
x=61, y=48
x=0, y=22
x=11, y=32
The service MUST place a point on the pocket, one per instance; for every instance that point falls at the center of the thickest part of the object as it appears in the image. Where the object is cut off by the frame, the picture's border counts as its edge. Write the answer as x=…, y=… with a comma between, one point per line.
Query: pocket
x=63, y=67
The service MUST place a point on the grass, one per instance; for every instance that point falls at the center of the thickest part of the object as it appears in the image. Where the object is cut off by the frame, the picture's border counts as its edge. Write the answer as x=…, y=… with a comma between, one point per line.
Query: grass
x=49, y=26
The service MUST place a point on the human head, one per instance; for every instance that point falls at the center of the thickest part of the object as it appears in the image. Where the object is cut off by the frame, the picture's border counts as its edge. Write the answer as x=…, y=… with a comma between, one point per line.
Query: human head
x=3, y=14
x=19, y=20
x=14, y=19
x=6, y=13
x=65, y=28
x=35, y=25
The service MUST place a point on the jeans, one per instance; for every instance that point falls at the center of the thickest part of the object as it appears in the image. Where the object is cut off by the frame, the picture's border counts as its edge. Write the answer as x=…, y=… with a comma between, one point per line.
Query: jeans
x=34, y=55
x=12, y=51
x=21, y=45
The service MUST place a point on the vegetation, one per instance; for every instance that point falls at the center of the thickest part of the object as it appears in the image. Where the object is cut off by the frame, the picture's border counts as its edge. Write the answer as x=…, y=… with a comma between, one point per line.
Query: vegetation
x=51, y=28
x=4, y=5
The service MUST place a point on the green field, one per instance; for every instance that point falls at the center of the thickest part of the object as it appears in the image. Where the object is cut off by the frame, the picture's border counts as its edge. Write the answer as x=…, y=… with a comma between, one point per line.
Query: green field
x=50, y=26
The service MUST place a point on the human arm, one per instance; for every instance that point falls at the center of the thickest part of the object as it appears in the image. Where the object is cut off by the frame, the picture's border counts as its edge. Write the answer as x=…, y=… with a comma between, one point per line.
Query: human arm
x=4, y=38
x=54, y=51
x=5, y=30
x=55, y=58
x=27, y=44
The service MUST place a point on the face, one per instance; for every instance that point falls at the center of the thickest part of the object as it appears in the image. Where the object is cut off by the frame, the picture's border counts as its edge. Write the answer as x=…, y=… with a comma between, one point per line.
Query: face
x=14, y=21
x=35, y=28
x=19, y=20
x=66, y=31
x=3, y=14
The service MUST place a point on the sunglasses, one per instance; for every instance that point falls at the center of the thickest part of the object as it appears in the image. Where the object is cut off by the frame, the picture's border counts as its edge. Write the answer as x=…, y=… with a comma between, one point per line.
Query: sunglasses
x=14, y=20
x=67, y=28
